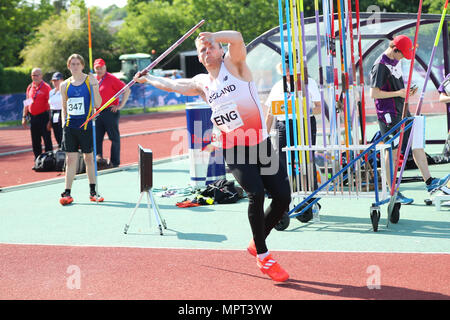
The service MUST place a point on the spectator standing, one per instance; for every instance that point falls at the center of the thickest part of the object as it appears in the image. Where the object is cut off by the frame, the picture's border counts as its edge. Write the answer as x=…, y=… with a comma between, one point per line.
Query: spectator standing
x=277, y=94
x=108, y=120
x=388, y=91
x=36, y=108
x=55, y=102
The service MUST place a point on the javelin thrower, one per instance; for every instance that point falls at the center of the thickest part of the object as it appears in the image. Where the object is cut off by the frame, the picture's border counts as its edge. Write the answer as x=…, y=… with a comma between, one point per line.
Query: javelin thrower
x=230, y=91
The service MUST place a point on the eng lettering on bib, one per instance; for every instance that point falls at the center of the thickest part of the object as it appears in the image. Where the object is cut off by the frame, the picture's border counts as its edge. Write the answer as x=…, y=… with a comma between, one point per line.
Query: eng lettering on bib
x=75, y=106
x=226, y=117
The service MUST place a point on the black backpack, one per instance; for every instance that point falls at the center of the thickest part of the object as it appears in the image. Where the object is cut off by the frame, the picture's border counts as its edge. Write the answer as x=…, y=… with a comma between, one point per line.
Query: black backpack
x=45, y=162
x=60, y=160
x=223, y=191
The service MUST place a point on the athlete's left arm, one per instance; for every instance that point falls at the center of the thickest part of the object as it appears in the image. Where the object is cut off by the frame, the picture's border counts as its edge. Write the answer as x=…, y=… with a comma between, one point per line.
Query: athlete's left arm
x=235, y=58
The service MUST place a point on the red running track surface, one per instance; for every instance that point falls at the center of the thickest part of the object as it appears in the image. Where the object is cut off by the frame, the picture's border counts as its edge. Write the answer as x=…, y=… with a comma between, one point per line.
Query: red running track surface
x=15, y=169
x=59, y=272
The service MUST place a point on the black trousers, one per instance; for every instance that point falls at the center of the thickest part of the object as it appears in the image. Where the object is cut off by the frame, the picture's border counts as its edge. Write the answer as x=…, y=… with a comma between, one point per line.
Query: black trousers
x=57, y=126
x=257, y=168
x=108, y=122
x=384, y=128
x=38, y=130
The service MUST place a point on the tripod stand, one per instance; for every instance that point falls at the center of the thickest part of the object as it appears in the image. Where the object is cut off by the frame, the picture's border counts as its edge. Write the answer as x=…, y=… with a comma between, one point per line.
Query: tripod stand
x=150, y=202
x=146, y=183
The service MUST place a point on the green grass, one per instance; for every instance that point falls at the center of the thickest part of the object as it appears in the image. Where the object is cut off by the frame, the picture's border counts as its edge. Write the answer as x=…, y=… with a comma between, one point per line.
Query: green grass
x=126, y=111
x=10, y=123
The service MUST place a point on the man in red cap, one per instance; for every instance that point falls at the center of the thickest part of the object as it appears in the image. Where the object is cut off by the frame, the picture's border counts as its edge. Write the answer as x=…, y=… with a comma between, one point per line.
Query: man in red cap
x=388, y=91
x=108, y=120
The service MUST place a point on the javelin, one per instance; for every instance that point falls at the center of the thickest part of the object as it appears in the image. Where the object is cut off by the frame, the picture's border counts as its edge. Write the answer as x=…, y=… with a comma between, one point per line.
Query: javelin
x=90, y=42
x=419, y=105
x=148, y=68
x=394, y=185
x=92, y=104
x=436, y=42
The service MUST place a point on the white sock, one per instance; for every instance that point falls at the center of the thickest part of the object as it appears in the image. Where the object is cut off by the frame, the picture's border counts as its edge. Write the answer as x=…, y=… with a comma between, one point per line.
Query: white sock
x=263, y=255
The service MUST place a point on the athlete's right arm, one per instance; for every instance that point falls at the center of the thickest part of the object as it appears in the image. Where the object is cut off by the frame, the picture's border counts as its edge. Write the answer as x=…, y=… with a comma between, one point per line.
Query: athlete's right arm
x=187, y=87
x=62, y=89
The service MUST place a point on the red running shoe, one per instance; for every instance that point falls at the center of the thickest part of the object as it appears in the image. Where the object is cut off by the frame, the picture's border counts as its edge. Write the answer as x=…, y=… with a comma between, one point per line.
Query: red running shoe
x=96, y=198
x=65, y=199
x=252, y=248
x=272, y=268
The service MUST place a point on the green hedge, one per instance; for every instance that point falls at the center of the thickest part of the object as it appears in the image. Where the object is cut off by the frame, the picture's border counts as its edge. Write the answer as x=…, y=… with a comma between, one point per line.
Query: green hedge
x=14, y=79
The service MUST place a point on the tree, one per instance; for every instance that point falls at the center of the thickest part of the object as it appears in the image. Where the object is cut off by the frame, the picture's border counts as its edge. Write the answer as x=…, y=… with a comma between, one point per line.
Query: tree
x=113, y=12
x=158, y=24
x=60, y=5
x=250, y=17
x=154, y=25
x=60, y=36
x=18, y=21
x=399, y=6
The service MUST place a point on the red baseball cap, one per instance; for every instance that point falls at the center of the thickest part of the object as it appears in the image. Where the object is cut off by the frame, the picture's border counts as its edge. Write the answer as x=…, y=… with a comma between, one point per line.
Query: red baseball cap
x=405, y=45
x=99, y=63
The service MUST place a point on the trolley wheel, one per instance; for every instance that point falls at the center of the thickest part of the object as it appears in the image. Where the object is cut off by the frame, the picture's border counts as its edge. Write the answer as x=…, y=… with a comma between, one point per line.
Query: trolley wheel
x=375, y=218
x=305, y=216
x=428, y=202
x=283, y=223
x=395, y=215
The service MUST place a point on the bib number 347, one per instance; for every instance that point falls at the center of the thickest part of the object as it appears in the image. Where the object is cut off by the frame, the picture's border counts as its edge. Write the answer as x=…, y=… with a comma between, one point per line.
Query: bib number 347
x=75, y=106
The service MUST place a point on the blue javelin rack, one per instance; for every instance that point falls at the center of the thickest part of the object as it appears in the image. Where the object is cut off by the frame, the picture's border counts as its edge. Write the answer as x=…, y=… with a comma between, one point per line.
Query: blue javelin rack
x=310, y=200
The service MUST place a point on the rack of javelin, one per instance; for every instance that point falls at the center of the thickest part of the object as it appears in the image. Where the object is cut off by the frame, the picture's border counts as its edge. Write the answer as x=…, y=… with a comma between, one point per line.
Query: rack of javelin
x=349, y=159
x=367, y=157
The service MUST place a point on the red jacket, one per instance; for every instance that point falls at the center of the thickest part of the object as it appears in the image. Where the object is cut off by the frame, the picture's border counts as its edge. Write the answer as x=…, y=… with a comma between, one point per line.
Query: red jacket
x=39, y=94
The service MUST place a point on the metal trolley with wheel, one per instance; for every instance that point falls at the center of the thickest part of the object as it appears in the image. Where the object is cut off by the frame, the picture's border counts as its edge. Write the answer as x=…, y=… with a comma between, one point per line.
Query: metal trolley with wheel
x=352, y=181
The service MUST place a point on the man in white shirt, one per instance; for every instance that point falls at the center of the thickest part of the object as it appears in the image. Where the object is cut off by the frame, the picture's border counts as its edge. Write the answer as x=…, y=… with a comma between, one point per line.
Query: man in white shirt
x=55, y=101
x=277, y=94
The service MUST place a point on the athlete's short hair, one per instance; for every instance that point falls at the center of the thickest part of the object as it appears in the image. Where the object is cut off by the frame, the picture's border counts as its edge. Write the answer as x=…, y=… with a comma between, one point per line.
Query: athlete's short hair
x=76, y=56
x=198, y=39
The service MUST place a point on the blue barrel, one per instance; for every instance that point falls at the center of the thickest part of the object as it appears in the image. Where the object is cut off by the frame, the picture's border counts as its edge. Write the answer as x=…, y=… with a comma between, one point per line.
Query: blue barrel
x=205, y=167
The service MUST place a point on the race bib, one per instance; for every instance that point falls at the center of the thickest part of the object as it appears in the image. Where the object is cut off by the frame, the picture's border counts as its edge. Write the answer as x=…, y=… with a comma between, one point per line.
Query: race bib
x=75, y=106
x=56, y=117
x=226, y=117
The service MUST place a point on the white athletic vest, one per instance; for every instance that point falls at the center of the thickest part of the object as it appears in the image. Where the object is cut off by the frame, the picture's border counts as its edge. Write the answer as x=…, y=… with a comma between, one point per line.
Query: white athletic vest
x=236, y=110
